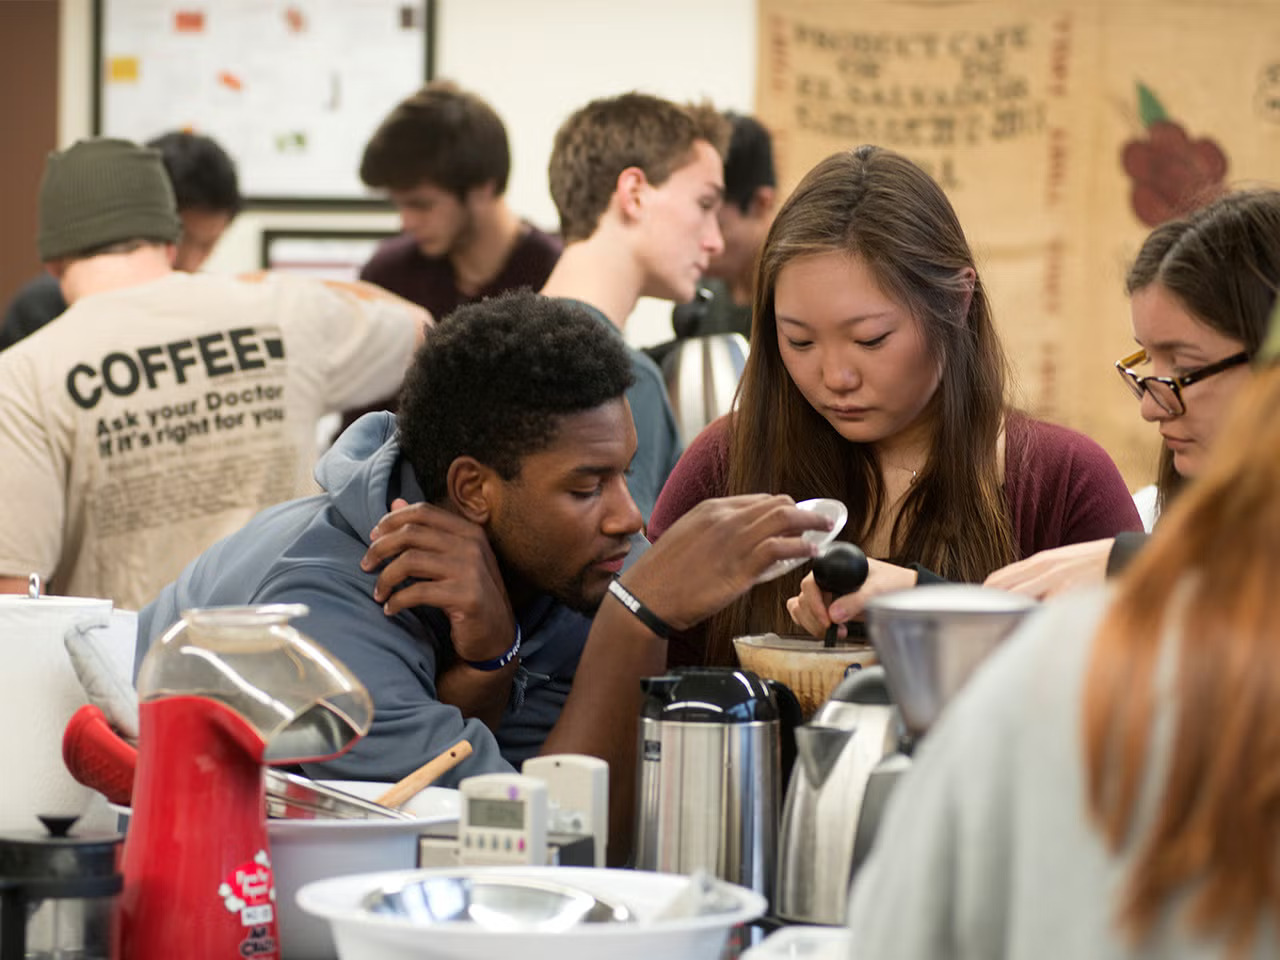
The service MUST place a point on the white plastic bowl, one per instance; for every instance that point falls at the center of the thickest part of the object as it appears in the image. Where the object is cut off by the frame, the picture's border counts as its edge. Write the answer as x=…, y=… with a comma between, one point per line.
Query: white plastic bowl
x=362, y=935
x=803, y=943
x=307, y=850
x=434, y=803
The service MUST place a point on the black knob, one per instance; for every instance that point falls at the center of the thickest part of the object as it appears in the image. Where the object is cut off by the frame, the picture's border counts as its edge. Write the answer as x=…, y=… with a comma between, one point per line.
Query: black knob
x=841, y=568
x=58, y=826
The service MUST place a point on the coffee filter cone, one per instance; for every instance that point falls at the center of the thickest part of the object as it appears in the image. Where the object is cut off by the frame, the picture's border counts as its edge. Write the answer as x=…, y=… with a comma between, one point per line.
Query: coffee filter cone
x=810, y=670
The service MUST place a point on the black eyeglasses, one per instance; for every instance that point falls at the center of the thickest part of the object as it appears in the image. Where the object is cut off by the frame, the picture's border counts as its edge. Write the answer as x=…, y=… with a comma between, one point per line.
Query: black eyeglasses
x=1167, y=391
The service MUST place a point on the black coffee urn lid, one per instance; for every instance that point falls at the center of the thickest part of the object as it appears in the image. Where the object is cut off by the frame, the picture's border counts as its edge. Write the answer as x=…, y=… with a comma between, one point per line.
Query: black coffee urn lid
x=709, y=695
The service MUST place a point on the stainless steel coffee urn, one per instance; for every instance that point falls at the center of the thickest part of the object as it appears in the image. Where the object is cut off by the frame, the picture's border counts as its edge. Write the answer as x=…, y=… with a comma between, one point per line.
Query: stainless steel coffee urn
x=710, y=758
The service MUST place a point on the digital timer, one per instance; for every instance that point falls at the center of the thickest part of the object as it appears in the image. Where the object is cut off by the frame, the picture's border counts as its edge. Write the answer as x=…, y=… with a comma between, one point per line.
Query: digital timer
x=503, y=819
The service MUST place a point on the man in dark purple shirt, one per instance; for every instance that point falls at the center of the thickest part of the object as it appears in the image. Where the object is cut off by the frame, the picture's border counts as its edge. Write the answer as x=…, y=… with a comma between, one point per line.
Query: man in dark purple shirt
x=443, y=158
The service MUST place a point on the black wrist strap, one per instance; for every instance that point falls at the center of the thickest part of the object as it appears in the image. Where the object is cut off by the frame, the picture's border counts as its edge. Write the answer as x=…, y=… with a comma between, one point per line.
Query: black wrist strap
x=642, y=613
x=497, y=663
x=925, y=576
x=1127, y=545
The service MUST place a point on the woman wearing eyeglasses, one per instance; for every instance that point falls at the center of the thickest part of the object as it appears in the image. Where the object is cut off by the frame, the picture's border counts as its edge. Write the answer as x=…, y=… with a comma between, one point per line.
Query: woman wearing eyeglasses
x=1201, y=293
x=1105, y=786
x=876, y=377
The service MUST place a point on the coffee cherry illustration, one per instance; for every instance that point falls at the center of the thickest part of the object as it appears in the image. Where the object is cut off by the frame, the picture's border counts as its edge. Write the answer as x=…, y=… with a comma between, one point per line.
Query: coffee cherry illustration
x=1171, y=173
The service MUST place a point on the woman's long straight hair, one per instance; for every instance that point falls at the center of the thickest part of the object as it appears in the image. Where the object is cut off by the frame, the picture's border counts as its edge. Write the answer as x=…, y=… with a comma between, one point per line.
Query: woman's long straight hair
x=876, y=205
x=1207, y=579
x=1222, y=263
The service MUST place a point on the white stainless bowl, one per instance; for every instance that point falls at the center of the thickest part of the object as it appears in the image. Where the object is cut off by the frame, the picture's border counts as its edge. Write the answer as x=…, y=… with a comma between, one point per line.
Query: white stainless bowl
x=307, y=850
x=363, y=934
x=493, y=903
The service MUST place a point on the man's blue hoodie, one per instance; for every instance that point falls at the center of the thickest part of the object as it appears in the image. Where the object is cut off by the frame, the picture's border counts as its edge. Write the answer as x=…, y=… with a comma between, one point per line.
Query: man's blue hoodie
x=309, y=551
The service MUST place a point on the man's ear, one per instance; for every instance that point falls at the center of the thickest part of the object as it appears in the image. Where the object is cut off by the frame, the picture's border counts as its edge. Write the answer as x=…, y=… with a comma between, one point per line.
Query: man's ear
x=763, y=200
x=481, y=194
x=473, y=488
x=58, y=270
x=629, y=192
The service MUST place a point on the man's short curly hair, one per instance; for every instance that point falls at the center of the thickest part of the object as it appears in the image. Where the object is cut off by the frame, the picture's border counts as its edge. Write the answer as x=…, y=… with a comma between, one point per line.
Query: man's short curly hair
x=495, y=378
x=596, y=143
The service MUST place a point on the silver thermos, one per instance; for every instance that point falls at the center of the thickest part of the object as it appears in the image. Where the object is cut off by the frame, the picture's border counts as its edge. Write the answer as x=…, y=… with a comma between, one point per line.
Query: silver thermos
x=711, y=766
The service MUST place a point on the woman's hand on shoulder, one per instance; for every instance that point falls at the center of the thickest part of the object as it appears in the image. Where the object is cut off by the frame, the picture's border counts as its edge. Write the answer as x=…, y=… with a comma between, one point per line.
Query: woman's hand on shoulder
x=813, y=611
x=1051, y=572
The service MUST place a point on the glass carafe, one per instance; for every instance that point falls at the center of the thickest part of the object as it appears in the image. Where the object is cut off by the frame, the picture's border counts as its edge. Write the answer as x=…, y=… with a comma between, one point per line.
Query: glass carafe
x=303, y=703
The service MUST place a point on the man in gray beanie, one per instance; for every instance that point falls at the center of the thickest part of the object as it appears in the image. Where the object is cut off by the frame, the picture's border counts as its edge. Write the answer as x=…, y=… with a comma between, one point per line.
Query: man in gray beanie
x=205, y=187
x=101, y=193
x=164, y=409
x=108, y=217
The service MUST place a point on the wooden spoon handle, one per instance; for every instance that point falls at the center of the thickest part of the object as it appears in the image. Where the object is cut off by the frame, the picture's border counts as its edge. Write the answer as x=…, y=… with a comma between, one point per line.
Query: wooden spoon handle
x=405, y=790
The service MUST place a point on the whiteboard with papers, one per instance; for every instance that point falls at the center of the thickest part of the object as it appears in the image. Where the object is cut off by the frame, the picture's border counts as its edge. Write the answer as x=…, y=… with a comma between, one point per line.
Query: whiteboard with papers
x=292, y=89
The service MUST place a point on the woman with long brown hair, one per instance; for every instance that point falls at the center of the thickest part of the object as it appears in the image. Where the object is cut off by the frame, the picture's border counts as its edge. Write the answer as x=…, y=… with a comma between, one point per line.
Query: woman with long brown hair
x=1106, y=785
x=876, y=377
x=1200, y=290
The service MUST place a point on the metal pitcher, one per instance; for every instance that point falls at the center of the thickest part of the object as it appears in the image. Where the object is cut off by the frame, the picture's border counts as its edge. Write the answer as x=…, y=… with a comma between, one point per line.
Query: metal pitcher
x=835, y=755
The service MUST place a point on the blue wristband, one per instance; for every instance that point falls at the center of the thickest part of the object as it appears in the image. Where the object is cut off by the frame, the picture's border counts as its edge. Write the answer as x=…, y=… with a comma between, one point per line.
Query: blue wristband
x=497, y=663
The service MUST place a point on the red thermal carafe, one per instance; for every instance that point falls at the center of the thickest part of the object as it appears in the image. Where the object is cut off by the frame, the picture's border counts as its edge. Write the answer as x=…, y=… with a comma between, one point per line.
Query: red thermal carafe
x=198, y=837
x=223, y=693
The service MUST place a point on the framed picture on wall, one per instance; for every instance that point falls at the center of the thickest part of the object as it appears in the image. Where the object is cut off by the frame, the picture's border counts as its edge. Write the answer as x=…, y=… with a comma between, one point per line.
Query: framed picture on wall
x=325, y=254
x=291, y=89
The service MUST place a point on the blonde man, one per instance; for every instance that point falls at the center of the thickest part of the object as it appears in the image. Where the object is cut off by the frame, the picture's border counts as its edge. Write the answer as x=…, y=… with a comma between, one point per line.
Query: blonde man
x=638, y=181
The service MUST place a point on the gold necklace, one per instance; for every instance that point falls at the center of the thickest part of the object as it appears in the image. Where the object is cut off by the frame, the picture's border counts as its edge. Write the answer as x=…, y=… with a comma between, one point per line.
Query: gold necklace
x=914, y=473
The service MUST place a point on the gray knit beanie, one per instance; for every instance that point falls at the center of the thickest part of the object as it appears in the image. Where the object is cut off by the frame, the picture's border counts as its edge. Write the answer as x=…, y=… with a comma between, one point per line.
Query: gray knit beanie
x=99, y=192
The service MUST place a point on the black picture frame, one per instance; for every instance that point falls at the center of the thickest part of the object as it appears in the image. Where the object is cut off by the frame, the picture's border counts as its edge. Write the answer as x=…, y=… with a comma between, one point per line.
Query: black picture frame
x=271, y=199
x=273, y=238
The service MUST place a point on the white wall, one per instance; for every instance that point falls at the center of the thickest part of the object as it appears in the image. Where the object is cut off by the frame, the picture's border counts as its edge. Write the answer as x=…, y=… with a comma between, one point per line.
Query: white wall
x=535, y=61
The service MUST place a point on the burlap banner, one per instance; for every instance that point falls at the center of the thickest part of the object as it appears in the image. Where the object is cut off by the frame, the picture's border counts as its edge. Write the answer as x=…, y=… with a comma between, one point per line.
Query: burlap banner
x=1062, y=131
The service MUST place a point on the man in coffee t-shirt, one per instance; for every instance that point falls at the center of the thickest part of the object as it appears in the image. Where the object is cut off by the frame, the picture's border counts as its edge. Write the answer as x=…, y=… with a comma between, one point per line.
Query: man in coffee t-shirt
x=164, y=409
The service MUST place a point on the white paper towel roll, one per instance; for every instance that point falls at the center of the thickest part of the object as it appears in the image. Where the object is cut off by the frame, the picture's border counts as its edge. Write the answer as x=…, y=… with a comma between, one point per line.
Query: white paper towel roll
x=38, y=694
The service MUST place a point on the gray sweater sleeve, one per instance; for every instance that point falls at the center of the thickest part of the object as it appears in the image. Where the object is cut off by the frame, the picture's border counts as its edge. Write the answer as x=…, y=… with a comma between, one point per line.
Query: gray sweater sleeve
x=908, y=900
x=990, y=818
